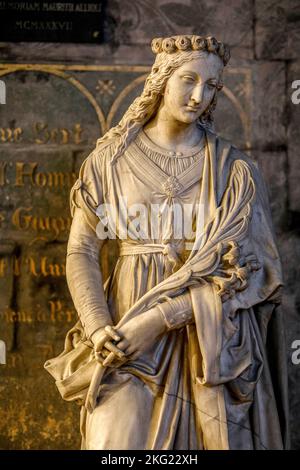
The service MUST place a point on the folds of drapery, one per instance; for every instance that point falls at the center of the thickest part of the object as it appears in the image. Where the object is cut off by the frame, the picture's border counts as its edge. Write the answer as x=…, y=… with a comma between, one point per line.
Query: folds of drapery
x=237, y=380
x=238, y=356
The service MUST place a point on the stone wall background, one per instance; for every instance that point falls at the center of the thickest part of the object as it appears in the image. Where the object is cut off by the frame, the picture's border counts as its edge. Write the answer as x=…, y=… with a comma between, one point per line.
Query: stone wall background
x=35, y=306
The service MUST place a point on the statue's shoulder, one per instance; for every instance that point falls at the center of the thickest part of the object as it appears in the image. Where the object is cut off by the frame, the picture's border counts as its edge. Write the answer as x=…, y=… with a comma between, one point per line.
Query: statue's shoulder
x=105, y=149
x=101, y=156
x=233, y=154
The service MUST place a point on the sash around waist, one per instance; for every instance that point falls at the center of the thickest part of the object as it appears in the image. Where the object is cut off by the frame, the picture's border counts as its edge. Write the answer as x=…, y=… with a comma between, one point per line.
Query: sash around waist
x=167, y=249
x=172, y=258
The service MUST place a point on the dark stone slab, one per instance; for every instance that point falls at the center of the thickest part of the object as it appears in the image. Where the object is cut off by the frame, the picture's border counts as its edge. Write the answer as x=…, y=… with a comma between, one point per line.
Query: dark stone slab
x=277, y=29
x=268, y=107
x=273, y=167
x=293, y=136
x=140, y=21
x=289, y=248
x=52, y=21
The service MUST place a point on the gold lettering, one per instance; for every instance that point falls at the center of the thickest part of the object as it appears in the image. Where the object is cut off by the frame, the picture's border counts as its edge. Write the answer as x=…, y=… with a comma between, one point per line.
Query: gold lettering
x=3, y=173
x=29, y=170
x=43, y=135
x=18, y=317
x=16, y=266
x=32, y=266
x=77, y=134
x=21, y=173
x=10, y=135
x=3, y=266
x=53, y=136
x=69, y=315
x=56, y=179
x=17, y=134
x=43, y=266
x=2, y=218
x=21, y=221
x=41, y=132
x=58, y=314
x=40, y=179
x=55, y=310
x=51, y=269
x=65, y=136
x=24, y=317
x=56, y=225
x=41, y=316
x=6, y=135
x=8, y=315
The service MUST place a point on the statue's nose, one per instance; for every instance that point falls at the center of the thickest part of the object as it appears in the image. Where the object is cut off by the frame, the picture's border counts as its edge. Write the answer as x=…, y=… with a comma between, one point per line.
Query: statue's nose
x=197, y=94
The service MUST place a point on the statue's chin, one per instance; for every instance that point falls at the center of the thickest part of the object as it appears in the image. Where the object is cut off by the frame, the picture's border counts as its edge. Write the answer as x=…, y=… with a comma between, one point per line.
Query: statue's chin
x=188, y=117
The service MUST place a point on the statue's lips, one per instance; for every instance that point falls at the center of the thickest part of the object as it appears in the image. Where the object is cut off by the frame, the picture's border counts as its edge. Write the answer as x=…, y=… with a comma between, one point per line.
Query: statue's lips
x=192, y=108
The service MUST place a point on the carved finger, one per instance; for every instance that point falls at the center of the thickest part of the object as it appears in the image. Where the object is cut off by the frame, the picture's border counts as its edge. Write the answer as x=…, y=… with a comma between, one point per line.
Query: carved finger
x=111, y=347
x=105, y=352
x=111, y=332
x=123, y=345
x=99, y=358
x=109, y=359
x=99, y=345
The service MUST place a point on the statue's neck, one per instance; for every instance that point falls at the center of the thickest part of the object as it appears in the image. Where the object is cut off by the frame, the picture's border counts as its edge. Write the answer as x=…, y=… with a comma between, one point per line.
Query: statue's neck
x=171, y=134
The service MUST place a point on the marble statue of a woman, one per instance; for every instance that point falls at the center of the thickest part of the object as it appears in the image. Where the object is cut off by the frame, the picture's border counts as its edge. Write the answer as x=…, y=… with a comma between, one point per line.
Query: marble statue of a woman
x=182, y=346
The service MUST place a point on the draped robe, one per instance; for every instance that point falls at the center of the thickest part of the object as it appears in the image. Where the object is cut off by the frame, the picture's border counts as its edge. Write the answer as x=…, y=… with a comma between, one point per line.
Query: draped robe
x=220, y=382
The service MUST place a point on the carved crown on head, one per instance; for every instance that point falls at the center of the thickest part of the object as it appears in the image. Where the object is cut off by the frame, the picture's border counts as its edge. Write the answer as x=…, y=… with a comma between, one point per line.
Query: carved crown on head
x=191, y=43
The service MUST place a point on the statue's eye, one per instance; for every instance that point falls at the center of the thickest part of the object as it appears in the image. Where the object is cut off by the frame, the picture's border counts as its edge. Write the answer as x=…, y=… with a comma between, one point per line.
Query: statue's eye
x=211, y=85
x=188, y=78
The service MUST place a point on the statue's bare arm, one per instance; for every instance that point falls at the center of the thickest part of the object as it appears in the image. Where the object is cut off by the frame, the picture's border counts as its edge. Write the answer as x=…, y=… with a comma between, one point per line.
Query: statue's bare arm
x=85, y=284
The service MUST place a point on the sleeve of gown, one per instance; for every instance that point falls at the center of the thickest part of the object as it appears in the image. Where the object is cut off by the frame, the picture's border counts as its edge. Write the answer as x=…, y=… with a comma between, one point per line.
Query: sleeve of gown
x=177, y=311
x=83, y=271
x=264, y=284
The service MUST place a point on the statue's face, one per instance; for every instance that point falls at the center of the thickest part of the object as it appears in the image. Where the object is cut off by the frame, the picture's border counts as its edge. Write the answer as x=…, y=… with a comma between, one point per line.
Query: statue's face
x=191, y=88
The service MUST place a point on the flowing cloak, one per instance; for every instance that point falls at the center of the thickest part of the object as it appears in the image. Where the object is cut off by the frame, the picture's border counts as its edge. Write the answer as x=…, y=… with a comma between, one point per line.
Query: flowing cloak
x=228, y=368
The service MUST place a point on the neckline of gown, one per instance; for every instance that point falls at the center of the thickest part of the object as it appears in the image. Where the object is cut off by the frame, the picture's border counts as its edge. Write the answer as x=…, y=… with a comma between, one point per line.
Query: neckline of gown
x=155, y=148
x=149, y=170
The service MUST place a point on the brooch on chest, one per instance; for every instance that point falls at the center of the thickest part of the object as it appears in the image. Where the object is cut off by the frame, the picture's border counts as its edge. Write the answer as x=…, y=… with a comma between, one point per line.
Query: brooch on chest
x=172, y=186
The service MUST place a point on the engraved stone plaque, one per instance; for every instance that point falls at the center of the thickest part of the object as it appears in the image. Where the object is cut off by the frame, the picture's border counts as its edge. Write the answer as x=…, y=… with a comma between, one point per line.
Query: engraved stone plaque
x=52, y=21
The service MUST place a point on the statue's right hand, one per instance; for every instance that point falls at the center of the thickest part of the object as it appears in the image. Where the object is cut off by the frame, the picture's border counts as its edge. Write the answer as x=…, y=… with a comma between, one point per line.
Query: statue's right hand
x=104, y=340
